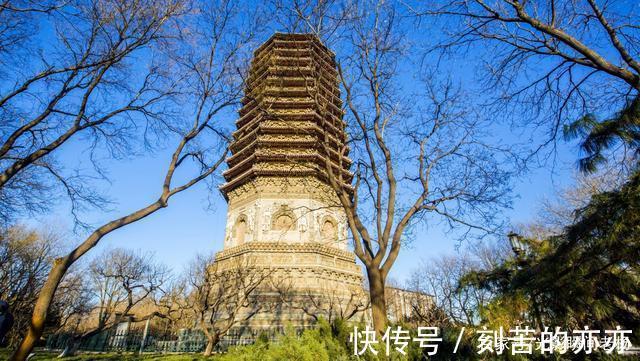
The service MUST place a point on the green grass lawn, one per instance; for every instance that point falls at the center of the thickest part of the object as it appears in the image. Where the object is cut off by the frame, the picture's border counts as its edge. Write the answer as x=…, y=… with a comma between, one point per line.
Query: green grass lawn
x=42, y=355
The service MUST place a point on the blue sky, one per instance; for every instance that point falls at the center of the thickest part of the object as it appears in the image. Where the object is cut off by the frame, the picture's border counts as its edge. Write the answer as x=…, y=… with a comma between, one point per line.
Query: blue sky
x=189, y=225
x=192, y=225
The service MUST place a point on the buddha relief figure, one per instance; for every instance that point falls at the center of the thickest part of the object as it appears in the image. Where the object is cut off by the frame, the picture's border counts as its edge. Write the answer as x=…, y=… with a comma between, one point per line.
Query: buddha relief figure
x=283, y=219
x=328, y=230
x=303, y=223
x=283, y=222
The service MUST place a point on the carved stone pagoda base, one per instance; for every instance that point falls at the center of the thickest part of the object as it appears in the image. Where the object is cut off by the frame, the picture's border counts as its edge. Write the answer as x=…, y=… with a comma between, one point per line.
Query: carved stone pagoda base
x=307, y=280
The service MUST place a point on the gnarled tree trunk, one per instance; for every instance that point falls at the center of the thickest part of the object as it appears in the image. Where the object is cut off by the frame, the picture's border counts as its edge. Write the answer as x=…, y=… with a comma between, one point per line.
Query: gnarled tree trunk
x=212, y=341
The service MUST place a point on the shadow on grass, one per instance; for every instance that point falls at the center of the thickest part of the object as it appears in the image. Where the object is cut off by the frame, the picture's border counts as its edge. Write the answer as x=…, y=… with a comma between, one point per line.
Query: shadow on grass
x=45, y=355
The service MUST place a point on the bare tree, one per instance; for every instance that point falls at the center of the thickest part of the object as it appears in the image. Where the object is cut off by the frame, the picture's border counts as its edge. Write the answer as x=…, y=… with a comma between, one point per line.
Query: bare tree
x=25, y=260
x=427, y=313
x=440, y=278
x=324, y=18
x=80, y=85
x=555, y=61
x=223, y=295
x=210, y=70
x=418, y=158
x=120, y=281
x=174, y=305
x=16, y=20
x=73, y=302
x=325, y=302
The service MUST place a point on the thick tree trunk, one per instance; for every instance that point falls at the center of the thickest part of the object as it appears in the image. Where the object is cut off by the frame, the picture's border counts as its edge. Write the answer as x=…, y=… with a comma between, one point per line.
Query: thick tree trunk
x=70, y=348
x=378, y=301
x=212, y=341
x=40, y=311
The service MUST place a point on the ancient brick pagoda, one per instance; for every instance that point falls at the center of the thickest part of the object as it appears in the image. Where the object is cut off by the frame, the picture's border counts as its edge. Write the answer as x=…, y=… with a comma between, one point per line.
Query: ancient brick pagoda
x=282, y=213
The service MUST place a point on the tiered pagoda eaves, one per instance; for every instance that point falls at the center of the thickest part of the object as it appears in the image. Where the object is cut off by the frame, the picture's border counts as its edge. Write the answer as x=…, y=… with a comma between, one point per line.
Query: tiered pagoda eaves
x=291, y=115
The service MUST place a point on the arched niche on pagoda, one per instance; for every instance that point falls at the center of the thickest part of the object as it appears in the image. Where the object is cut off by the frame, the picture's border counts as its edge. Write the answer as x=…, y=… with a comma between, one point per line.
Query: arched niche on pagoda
x=329, y=229
x=283, y=220
x=241, y=229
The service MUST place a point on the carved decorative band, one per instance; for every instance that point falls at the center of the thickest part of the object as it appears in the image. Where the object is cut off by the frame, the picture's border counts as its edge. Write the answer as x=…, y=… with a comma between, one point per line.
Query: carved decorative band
x=282, y=247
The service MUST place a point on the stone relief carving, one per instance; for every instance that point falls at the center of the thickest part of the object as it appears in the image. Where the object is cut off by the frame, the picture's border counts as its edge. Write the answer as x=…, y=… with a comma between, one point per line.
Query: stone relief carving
x=227, y=234
x=303, y=223
x=266, y=221
x=343, y=227
x=250, y=219
x=284, y=219
x=283, y=222
x=328, y=229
